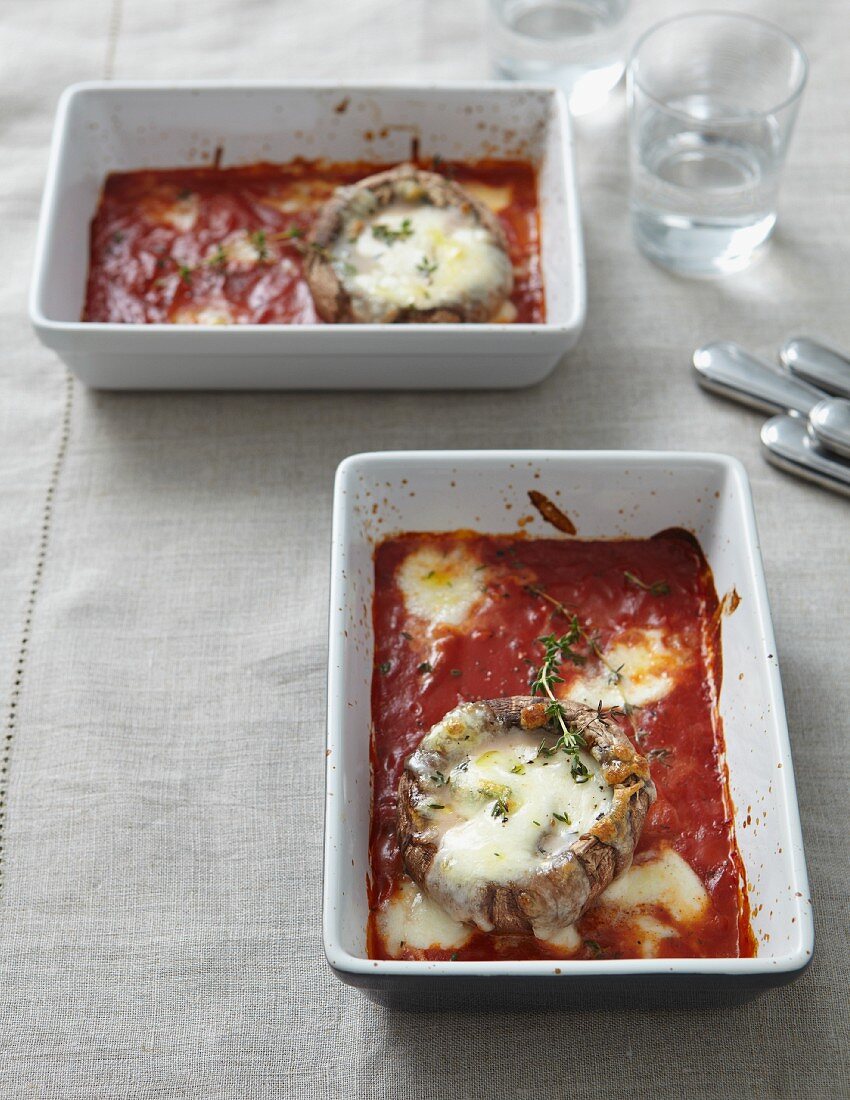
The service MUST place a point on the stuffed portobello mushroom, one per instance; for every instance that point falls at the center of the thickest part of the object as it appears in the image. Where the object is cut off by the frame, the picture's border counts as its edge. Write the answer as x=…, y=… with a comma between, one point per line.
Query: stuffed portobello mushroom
x=407, y=245
x=512, y=827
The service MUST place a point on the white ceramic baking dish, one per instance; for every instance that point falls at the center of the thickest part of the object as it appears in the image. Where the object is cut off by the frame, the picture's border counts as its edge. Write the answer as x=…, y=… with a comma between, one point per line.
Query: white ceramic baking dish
x=608, y=494
x=108, y=127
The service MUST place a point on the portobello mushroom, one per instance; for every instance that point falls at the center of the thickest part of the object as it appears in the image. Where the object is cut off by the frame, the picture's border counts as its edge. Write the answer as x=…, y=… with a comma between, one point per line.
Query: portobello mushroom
x=406, y=246
x=513, y=833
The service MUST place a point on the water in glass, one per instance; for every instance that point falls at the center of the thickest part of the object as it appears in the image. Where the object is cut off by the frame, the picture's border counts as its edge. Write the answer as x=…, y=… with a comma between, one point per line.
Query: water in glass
x=704, y=195
x=712, y=101
x=575, y=44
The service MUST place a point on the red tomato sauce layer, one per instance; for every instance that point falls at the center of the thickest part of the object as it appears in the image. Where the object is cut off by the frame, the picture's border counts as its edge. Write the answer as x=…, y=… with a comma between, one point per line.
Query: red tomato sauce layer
x=223, y=245
x=420, y=675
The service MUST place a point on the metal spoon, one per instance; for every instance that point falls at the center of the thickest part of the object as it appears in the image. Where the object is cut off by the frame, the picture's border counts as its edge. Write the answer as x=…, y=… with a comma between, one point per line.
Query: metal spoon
x=789, y=446
x=725, y=368
x=829, y=423
x=817, y=364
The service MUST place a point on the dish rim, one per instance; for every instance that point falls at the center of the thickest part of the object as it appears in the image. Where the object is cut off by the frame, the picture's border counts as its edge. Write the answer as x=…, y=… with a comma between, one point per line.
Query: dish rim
x=341, y=960
x=51, y=197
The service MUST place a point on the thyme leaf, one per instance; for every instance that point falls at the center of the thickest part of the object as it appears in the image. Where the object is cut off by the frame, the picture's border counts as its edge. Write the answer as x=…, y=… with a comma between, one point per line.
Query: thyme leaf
x=580, y=635
x=389, y=236
x=427, y=267
x=500, y=809
x=219, y=257
x=660, y=756
x=657, y=588
x=258, y=240
x=570, y=741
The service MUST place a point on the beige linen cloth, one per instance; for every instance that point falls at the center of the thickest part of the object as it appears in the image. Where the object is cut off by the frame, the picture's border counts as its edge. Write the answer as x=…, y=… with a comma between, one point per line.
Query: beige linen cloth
x=162, y=655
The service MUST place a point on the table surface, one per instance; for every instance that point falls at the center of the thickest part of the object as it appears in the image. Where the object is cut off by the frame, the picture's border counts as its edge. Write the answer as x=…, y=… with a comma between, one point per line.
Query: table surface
x=164, y=568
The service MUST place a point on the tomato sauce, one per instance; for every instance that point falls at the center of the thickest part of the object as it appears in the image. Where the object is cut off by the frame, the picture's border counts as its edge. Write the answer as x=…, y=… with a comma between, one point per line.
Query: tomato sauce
x=169, y=246
x=669, y=588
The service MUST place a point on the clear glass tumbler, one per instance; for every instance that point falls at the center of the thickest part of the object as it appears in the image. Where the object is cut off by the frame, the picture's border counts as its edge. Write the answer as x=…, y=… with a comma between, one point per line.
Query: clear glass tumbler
x=712, y=100
x=578, y=45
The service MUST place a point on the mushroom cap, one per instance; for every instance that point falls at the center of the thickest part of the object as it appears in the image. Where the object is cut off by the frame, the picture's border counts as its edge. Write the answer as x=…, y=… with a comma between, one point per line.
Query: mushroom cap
x=340, y=296
x=551, y=892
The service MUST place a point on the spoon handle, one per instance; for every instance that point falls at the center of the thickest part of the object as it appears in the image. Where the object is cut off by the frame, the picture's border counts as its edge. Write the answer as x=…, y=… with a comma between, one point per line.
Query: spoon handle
x=816, y=363
x=829, y=423
x=725, y=368
x=788, y=445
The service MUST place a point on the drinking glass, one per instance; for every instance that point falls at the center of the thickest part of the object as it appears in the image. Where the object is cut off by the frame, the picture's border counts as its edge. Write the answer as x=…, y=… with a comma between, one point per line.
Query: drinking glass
x=578, y=45
x=712, y=101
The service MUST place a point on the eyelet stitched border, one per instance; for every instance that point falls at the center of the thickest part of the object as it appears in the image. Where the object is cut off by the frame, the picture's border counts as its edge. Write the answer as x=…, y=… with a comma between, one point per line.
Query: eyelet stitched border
x=11, y=722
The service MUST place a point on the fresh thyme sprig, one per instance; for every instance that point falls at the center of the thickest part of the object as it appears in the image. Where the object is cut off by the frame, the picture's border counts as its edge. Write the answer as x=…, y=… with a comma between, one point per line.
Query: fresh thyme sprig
x=500, y=809
x=293, y=232
x=218, y=258
x=427, y=267
x=660, y=755
x=580, y=634
x=384, y=233
x=657, y=588
x=570, y=741
x=258, y=240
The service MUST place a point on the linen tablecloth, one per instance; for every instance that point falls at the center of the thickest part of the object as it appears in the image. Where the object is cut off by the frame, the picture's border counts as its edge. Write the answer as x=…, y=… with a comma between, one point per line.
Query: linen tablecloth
x=162, y=655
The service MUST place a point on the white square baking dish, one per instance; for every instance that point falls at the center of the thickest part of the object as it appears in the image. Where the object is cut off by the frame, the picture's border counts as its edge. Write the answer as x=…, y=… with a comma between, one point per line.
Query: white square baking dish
x=608, y=494
x=106, y=127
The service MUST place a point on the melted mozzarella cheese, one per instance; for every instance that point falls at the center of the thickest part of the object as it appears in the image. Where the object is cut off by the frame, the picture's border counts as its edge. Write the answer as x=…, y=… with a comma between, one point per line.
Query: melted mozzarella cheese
x=203, y=315
x=648, y=662
x=410, y=919
x=180, y=213
x=496, y=198
x=241, y=251
x=666, y=880
x=506, y=314
x=652, y=932
x=565, y=939
x=441, y=587
x=506, y=812
x=421, y=257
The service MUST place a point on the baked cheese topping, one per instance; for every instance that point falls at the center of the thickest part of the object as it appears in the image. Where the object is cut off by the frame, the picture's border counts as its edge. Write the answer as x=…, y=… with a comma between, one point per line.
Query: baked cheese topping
x=298, y=195
x=666, y=880
x=647, y=661
x=203, y=315
x=505, y=812
x=409, y=918
x=441, y=587
x=241, y=251
x=180, y=211
x=497, y=198
x=564, y=939
x=420, y=257
x=652, y=932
